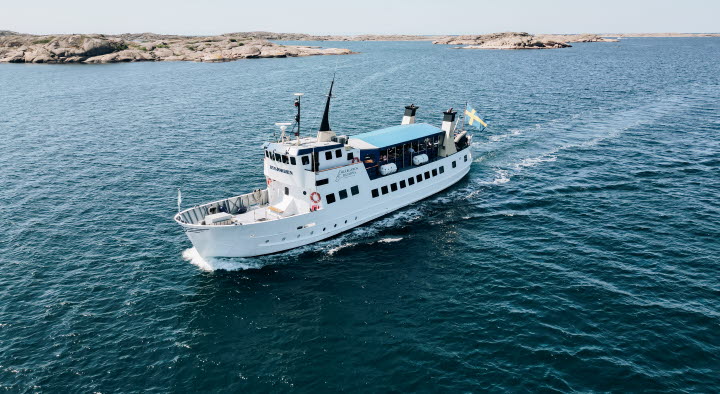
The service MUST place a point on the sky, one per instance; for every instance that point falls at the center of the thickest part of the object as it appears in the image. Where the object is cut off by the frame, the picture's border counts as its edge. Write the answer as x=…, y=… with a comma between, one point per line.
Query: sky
x=207, y=17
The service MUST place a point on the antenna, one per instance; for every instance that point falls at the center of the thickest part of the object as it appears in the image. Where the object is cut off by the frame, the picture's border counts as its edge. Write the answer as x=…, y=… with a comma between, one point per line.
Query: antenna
x=297, y=117
x=283, y=127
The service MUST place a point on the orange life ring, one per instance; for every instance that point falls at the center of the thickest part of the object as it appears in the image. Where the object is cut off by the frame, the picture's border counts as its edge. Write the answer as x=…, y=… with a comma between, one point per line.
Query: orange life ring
x=315, y=197
x=355, y=160
x=269, y=181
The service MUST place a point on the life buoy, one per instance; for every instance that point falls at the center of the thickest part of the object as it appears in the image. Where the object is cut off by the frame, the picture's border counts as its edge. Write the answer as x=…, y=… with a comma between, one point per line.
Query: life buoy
x=314, y=208
x=269, y=181
x=315, y=197
x=355, y=160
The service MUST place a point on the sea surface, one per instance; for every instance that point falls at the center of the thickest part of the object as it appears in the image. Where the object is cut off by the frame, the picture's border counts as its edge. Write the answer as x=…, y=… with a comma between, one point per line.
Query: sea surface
x=581, y=253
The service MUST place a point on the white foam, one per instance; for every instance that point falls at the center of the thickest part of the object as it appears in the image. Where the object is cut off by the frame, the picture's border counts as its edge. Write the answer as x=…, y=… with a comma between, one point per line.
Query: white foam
x=215, y=264
x=502, y=177
x=336, y=249
x=390, y=240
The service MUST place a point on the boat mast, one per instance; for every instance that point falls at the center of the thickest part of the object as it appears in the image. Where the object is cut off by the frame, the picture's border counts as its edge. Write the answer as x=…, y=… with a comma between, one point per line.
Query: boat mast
x=297, y=117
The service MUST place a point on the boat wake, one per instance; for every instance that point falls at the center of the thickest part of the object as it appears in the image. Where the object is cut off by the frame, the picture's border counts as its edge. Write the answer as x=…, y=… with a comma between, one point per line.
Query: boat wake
x=220, y=264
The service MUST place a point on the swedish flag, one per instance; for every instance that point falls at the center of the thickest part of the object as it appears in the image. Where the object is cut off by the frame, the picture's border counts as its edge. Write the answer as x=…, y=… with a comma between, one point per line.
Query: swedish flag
x=470, y=113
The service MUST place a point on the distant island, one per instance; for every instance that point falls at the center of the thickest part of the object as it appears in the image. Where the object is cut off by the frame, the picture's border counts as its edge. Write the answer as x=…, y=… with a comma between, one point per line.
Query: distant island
x=513, y=40
x=101, y=48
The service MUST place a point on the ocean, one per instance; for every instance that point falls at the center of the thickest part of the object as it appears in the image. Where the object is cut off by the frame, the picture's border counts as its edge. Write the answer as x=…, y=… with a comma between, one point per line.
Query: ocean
x=581, y=252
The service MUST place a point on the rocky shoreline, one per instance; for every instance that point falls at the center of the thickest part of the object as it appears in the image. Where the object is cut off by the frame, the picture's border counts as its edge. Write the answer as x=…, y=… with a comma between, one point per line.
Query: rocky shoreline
x=519, y=40
x=100, y=48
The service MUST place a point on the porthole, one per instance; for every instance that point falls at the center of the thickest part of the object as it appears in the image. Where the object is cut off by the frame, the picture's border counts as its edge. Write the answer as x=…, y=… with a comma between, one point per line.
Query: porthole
x=355, y=217
x=298, y=235
x=283, y=238
x=335, y=225
x=267, y=240
x=345, y=221
x=323, y=228
x=312, y=232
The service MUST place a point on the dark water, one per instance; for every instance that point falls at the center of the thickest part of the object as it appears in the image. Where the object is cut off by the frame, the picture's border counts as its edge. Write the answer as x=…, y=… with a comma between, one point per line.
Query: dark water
x=580, y=253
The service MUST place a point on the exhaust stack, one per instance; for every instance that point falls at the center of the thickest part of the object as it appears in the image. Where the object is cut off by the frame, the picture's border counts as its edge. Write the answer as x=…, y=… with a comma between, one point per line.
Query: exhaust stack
x=325, y=134
x=409, y=117
x=447, y=147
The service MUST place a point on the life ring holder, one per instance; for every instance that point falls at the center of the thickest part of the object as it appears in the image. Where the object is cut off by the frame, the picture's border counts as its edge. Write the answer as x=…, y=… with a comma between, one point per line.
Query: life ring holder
x=269, y=181
x=355, y=160
x=315, y=197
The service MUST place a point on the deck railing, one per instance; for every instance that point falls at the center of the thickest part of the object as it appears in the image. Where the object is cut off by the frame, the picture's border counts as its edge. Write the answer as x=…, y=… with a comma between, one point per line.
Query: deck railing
x=233, y=205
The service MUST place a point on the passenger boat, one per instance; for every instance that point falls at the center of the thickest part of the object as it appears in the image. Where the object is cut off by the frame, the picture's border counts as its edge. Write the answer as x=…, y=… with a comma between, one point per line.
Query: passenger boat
x=321, y=186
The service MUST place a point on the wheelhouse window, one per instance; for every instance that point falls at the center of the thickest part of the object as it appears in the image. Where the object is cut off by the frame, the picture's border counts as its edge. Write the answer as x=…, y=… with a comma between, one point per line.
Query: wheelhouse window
x=355, y=190
x=375, y=193
x=434, y=172
x=343, y=194
x=330, y=198
x=384, y=190
x=328, y=155
x=306, y=160
x=411, y=181
x=350, y=156
x=284, y=159
x=287, y=191
x=292, y=160
x=403, y=184
x=338, y=153
x=321, y=182
x=267, y=154
x=277, y=157
x=393, y=187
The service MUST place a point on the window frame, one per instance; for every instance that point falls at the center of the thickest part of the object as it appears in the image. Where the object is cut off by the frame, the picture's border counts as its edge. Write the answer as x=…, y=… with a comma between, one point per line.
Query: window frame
x=384, y=190
x=293, y=161
x=441, y=169
x=355, y=190
x=411, y=180
x=375, y=193
x=338, y=153
x=403, y=184
x=427, y=174
x=454, y=164
x=321, y=182
x=393, y=187
x=305, y=160
x=330, y=198
x=343, y=192
x=419, y=178
x=434, y=172
x=328, y=155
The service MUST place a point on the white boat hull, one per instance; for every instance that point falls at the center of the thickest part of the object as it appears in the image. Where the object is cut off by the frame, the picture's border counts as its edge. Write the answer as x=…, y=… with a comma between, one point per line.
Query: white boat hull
x=278, y=235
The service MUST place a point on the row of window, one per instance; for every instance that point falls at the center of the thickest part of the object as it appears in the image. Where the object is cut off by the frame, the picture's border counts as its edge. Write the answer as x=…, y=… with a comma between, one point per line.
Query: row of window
x=343, y=194
x=410, y=181
x=285, y=159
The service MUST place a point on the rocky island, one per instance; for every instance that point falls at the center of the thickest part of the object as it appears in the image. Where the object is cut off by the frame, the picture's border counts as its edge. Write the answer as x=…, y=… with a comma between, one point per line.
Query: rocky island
x=100, y=48
x=512, y=40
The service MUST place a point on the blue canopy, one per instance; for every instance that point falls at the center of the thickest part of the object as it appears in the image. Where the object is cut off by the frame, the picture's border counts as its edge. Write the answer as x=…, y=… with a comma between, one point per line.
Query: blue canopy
x=396, y=135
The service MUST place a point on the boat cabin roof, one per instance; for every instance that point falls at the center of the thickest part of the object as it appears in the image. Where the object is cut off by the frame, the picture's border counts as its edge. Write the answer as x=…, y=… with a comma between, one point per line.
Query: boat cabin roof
x=394, y=135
